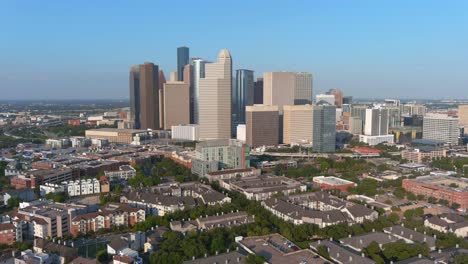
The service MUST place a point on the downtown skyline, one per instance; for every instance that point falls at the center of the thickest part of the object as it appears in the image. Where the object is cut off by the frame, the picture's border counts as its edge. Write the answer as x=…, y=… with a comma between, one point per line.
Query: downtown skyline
x=367, y=50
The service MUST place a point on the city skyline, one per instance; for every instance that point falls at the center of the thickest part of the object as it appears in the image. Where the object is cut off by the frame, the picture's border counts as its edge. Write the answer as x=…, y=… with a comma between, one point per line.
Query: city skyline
x=364, y=49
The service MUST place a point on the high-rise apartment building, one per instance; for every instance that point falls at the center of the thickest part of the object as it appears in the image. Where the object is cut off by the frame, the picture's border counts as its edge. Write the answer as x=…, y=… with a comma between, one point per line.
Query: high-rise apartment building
x=215, y=98
x=338, y=97
x=258, y=91
x=413, y=109
x=182, y=60
x=324, y=128
x=287, y=88
x=149, y=96
x=242, y=96
x=135, y=106
x=198, y=72
x=262, y=125
x=441, y=128
x=298, y=124
x=463, y=116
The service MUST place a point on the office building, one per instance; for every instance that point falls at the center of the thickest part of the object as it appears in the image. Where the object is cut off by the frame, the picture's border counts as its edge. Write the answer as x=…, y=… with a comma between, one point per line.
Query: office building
x=298, y=124
x=463, y=116
x=347, y=100
x=329, y=98
x=215, y=98
x=114, y=135
x=186, y=132
x=242, y=96
x=182, y=60
x=376, y=127
x=376, y=123
x=149, y=96
x=441, y=128
x=258, y=91
x=324, y=128
x=287, y=88
x=198, y=72
x=162, y=82
x=355, y=125
x=414, y=109
x=241, y=131
x=214, y=155
x=338, y=97
x=176, y=104
x=262, y=125
x=135, y=106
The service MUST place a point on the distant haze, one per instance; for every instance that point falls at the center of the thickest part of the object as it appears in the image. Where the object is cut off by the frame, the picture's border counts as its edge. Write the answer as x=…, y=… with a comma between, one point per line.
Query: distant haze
x=84, y=49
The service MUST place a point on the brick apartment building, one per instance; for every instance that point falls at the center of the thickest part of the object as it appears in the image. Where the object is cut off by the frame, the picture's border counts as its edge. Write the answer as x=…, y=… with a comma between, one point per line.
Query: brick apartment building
x=7, y=233
x=112, y=214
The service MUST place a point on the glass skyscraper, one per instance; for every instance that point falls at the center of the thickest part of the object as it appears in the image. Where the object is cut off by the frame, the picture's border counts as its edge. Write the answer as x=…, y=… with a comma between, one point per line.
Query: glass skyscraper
x=135, y=96
x=182, y=60
x=242, y=96
x=324, y=127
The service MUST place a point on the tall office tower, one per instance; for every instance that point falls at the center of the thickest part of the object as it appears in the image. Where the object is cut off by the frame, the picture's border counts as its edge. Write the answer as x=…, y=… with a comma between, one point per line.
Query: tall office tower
x=376, y=123
x=441, y=128
x=242, y=96
x=176, y=100
x=135, y=105
x=173, y=76
x=258, y=91
x=324, y=127
x=182, y=60
x=198, y=72
x=287, y=88
x=262, y=125
x=413, y=109
x=394, y=115
x=338, y=97
x=149, y=96
x=215, y=98
x=347, y=99
x=463, y=116
x=329, y=98
x=176, y=104
x=355, y=125
x=162, y=81
x=298, y=124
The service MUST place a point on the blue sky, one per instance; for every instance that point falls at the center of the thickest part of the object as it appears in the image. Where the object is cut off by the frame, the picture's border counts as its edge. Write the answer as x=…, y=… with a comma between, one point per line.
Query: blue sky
x=83, y=49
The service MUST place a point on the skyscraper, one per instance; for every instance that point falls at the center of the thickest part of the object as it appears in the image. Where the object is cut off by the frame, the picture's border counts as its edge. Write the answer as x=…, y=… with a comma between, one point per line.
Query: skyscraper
x=242, y=96
x=258, y=91
x=176, y=104
x=287, y=88
x=162, y=81
x=135, y=96
x=376, y=123
x=182, y=60
x=262, y=125
x=215, y=98
x=149, y=96
x=338, y=97
x=298, y=124
x=324, y=128
x=198, y=72
x=463, y=116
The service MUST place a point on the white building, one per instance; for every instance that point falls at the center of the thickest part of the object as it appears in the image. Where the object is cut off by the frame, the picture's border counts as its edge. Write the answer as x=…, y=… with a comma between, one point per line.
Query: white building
x=376, y=127
x=80, y=142
x=441, y=128
x=50, y=188
x=329, y=98
x=82, y=187
x=241, y=133
x=125, y=172
x=186, y=132
x=375, y=140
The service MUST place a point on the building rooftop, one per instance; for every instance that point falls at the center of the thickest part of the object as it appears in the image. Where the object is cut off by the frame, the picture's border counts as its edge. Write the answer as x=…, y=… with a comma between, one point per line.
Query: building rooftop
x=363, y=241
x=231, y=257
x=406, y=233
x=339, y=253
x=331, y=180
x=117, y=130
x=443, y=181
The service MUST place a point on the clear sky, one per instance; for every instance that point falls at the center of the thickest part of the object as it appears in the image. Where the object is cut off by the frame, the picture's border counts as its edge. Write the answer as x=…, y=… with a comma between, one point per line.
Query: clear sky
x=83, y=49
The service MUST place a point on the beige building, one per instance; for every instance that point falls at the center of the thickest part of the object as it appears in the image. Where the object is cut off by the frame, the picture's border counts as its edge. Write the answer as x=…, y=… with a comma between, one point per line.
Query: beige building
x=176, y=104
x=262, y=125
x=463, y=116
x=297, y=124
x=215, y=98
x=114, y=135
x=287, y=88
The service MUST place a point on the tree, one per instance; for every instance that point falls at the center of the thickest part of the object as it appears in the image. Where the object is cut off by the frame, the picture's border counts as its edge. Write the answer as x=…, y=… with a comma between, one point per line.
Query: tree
x=255, y=259
x=455, y=206
x=411, y=196
x=432, y=200
x=460, y=259
x=14, y=202
x=394, y=218
x=400, y=250
x=102, y=256
x=59, y=197
x=323, y=251
x=399, y=192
